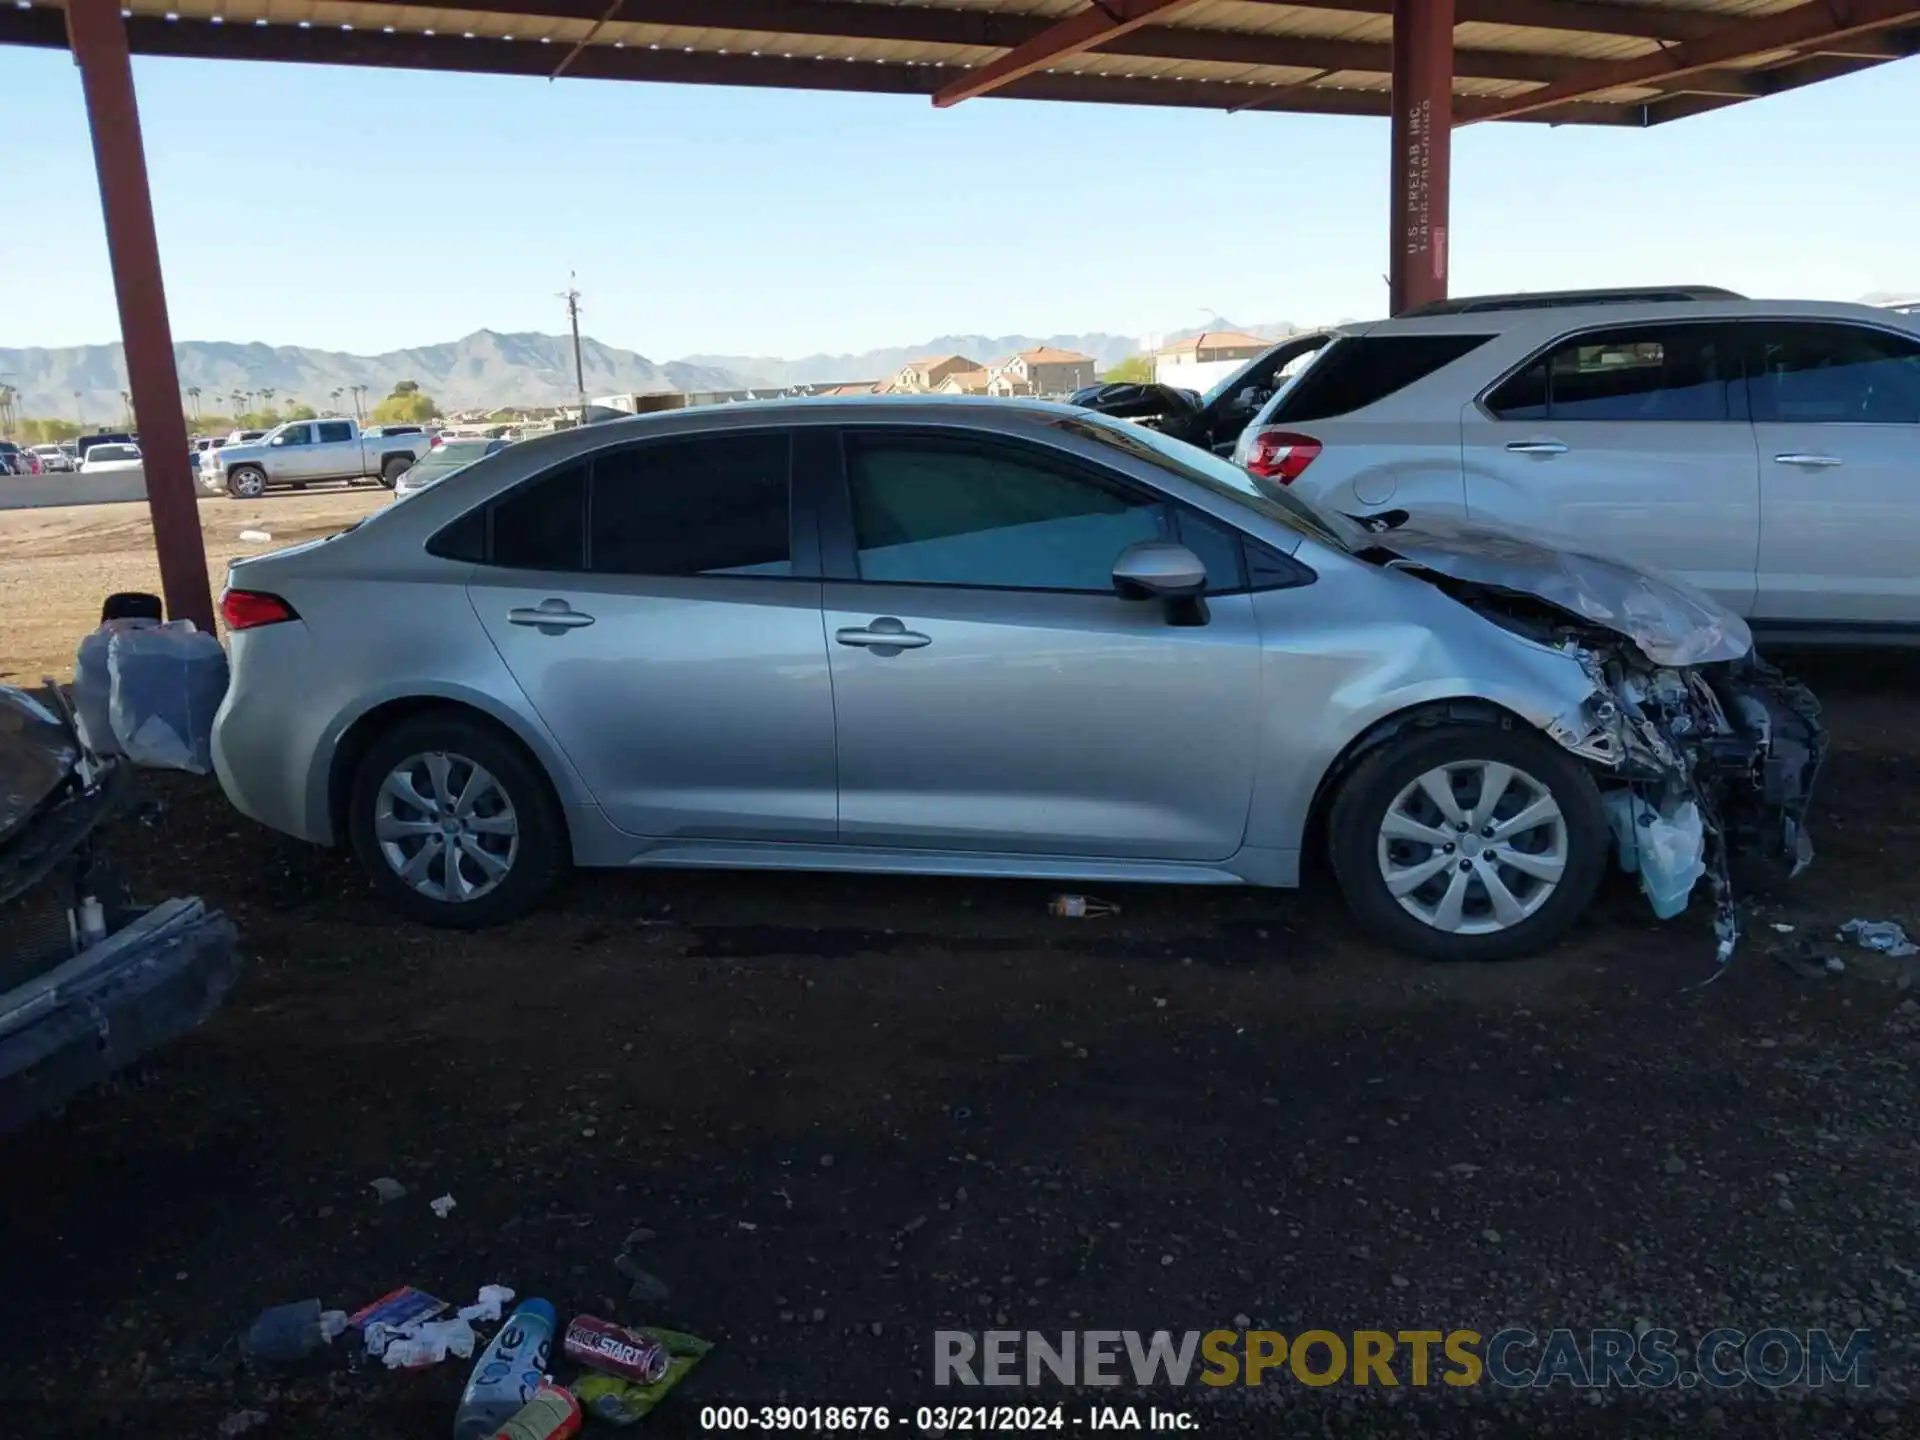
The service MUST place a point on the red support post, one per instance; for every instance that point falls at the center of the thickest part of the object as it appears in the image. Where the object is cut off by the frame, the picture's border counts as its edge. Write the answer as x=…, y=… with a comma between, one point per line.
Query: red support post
x=1422, y=143
x=99, y=42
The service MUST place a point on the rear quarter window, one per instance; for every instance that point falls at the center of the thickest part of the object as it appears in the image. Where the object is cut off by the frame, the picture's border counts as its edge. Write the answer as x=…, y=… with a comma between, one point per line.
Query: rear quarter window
x=1361, y=370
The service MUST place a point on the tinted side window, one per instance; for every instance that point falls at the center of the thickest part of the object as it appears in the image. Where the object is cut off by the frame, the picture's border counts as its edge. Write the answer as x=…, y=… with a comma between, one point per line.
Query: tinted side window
x=297, y=435
x=1834, y=374
x=1356, y=371
x=932, y=511
x=332, y=432
x=543, y=525
x=1647, y=372
x=717, y=505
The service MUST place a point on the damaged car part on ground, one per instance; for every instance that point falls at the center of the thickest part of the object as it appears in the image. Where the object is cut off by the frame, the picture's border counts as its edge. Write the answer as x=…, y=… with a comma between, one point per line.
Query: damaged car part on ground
x=982, y=639
x=89, y=983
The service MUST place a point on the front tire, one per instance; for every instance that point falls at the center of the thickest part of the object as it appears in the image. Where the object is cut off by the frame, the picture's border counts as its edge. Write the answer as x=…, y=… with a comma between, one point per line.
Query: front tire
x=246, y=482
x=454, y=824
x=1469, y=842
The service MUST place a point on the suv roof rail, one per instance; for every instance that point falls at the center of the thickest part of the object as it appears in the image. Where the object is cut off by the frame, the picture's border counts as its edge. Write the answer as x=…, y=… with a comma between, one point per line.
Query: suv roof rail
x=1552, y=299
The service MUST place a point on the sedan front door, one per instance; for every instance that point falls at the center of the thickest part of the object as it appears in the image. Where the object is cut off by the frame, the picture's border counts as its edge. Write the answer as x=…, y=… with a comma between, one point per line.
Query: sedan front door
x=1836, y=409
x=993, y=693
x=673, y=646
x=1633, y=440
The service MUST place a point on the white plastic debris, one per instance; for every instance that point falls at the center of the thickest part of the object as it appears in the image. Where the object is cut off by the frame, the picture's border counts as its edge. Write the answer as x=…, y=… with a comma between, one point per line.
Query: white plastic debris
x=255, y=535
x=333, y=1324
x=1882, y=935
x=1667, y=848
x=491, y=1304
x=93, y=686
x=388, y=1189
x=165, y=683
x=428, y=1342
x=443, y=1206
x=1781, y=928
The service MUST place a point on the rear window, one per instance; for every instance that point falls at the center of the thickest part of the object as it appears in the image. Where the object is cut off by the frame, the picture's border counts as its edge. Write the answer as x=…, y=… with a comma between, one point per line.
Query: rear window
x=1357, y=371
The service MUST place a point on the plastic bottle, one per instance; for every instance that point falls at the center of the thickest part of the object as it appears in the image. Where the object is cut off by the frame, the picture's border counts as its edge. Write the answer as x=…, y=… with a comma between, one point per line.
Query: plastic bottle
x=552, y=1414
x=508, y=1373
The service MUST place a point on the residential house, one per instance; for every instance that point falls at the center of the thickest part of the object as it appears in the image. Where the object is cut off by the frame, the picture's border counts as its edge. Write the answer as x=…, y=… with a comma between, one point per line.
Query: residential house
x=1196, y=362
x=966, y=382
x=924, y=376
x=1042, y=370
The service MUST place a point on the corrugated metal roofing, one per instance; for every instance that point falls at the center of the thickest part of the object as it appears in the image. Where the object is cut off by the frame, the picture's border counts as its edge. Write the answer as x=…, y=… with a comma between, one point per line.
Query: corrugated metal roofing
x=1329, y=57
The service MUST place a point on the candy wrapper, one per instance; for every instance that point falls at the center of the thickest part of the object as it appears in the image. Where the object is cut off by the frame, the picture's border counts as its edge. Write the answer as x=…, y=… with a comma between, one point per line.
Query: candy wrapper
x=626, y=1402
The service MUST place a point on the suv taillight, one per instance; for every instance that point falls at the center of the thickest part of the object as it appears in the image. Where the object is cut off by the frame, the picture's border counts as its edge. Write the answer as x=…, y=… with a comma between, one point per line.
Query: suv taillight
x=1281, y=455
x=250, y=609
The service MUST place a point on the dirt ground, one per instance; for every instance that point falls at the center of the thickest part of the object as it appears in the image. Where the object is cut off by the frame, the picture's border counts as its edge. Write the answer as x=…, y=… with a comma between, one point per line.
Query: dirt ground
x=57, y=565
x=854, y=1111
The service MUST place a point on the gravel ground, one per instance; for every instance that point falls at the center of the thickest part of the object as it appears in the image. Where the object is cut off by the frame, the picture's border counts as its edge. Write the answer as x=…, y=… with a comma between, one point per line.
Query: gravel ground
x=853, y=1111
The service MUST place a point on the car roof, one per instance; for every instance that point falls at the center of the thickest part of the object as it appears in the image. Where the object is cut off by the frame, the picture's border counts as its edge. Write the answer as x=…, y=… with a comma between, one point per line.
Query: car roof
x=1556, y=319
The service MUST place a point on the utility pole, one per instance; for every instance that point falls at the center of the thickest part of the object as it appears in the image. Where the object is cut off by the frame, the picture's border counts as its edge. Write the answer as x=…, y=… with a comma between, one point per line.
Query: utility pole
x=572, y=296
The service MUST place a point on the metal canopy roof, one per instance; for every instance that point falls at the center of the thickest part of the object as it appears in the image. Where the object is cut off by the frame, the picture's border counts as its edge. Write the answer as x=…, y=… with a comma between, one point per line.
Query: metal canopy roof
x=1620, y=62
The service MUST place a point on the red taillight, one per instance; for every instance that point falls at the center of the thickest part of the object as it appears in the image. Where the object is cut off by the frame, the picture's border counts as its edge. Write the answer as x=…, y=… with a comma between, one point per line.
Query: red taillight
x=434, y=444
x=250, y=609
x=1281, y=455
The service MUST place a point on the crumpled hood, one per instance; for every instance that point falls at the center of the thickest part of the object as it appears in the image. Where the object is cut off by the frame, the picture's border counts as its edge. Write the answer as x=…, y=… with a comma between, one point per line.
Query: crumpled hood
x=1671, y=621
x=37, y=752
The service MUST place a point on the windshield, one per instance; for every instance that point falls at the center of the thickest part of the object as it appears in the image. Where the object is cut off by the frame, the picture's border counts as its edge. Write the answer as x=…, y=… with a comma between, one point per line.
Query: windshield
x=1222, y=478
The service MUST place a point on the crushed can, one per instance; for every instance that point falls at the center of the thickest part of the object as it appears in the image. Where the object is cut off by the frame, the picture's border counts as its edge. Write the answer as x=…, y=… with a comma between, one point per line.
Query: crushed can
x=1080, y=907
x=602, y=1345
x=552, y=1414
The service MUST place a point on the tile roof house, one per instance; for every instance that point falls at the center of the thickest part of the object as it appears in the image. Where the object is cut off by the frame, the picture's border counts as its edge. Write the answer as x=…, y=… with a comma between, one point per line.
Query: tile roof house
x=1042, y=370
x=966, y=382
x=926, y=374
x=1215, y=345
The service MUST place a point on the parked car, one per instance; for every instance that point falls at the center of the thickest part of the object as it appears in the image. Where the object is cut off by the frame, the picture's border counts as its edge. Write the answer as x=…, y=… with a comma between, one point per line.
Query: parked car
x=442, y=460
x=984, y=638
x=89, y=982
x=102, y=437
x=53, y=459
x=14, y=460
x=105, y=458
x=1765, y=451
x=1212, y=421
x=304, y=452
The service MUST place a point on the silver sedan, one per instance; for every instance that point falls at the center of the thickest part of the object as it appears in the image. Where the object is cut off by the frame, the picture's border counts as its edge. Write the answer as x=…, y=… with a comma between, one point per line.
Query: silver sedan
x=981, y=638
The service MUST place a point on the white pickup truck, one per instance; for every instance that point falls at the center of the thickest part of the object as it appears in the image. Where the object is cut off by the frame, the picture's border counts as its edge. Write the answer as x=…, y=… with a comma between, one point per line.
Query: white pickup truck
x=305, y=452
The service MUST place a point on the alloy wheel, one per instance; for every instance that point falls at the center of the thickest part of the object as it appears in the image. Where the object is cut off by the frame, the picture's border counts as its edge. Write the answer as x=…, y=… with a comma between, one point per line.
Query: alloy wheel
x=446, y=826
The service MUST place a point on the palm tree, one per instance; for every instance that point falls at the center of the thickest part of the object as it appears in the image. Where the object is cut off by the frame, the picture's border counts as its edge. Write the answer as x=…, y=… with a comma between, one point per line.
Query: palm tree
x=193, y=394
x=338, y=391
x=126, y=403
x=266, y=396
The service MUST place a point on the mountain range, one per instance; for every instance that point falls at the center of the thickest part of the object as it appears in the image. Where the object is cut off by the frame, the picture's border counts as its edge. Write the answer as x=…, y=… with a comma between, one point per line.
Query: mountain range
x=485, y=368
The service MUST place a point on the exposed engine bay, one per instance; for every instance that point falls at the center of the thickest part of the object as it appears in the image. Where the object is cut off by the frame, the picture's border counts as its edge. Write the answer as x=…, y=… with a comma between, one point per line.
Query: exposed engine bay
x=1704, y=752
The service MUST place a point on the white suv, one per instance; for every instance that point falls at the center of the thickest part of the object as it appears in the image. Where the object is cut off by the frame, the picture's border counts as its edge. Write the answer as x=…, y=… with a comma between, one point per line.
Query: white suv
x=1766, y=451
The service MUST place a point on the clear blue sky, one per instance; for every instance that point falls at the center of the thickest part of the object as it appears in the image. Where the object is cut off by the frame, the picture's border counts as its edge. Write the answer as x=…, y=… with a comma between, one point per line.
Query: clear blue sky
x=367, y=210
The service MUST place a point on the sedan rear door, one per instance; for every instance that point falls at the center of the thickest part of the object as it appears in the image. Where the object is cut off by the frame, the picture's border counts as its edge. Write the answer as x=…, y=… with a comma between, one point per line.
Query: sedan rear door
x=1633, y=439
x=672, y=642
x=992, y=691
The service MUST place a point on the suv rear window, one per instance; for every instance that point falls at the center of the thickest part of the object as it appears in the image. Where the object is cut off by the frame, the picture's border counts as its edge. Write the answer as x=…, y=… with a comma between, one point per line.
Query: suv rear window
x=1357, y=371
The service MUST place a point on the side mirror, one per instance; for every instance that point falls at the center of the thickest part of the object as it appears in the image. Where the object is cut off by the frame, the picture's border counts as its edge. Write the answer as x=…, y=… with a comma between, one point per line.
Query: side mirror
x=1161, y=570
x=278, y=440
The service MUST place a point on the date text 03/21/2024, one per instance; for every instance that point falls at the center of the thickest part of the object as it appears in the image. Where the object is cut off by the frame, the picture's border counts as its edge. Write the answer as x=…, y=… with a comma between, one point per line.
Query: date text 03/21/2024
x=944, y=1419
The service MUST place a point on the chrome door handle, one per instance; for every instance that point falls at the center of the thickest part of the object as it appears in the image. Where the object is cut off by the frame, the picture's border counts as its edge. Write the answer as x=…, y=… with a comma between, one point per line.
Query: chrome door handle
x=549, y=617
x=1809, y=462
x=1536, y=447
x=885, y=636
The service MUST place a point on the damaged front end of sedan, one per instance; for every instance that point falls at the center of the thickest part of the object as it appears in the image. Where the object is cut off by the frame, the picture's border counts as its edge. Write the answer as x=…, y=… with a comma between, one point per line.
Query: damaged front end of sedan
x=89, y=982
x=1705, y=753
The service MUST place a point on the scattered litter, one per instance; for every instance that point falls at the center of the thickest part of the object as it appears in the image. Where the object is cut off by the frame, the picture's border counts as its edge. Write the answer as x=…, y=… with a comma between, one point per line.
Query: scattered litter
x=242, y=1421
x=393, y=1314
x=508, y=1373
x=746, y=1225
x=428, y=1343
x=625, y=1402
x=1080, y=907
x=1882, y=935
x=602, y=1345
x=282, y=1333
x=1782, y=928
x=443, y=1206
x=552, y=1414
x=255, y=535
x=487, y=1309
x=388, y=1189
x=1835, y=965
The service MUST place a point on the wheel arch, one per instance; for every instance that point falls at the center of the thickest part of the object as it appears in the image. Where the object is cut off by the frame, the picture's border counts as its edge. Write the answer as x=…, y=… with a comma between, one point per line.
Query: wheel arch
x=335, y=780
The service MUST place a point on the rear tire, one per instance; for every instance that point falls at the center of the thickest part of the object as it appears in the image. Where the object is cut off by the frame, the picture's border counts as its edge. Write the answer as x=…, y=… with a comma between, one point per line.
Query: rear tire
x=1429, y=867
x=490, y=808
x=246, y=482
x=392, y=468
